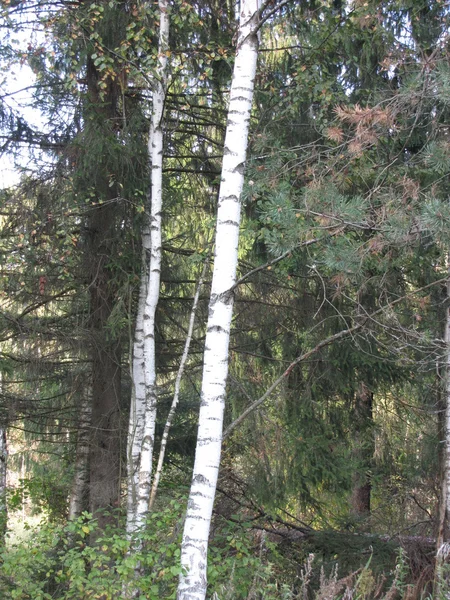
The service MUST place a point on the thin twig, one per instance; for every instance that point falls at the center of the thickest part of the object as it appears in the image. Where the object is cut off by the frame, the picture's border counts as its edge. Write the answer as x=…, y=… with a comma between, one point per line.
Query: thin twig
x=176, y=394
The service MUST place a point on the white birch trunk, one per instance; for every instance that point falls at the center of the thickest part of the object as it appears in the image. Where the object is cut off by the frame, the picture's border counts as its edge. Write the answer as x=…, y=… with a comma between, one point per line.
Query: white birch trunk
x=176, y=394
x=443, y=546
x=193, y=582
x=3, y=472
x=137, y=408
x=79, y=492
x=447, y=408
x=152, y=296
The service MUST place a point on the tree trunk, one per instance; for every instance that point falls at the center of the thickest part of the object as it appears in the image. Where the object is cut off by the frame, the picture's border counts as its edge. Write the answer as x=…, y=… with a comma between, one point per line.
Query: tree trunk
x=145, y=354
x=193, y=582
x=444, y=510
x=442, y=541
x=137, y=407
x=105, y=443
x=363, y=450
x=3, y=471
x=104, y=457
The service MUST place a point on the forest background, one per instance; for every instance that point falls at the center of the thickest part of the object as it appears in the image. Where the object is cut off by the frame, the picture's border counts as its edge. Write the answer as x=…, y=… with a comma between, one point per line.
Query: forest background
x=336, y=446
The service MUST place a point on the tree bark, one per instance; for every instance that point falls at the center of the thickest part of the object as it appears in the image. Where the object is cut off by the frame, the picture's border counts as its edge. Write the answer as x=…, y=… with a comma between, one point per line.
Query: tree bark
x=363, y=450
x=105, y=347
x=193, y=580
x=137, y=406
x=105, y=443
x=3, y=472
x=145, y=353
x=444, y=509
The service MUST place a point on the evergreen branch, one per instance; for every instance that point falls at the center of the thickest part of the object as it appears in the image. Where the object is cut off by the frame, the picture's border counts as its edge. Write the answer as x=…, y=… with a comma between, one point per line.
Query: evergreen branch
x=48, y=299
x=363, y=226
x=263, y=18
x=279, y=259
x=329, y=340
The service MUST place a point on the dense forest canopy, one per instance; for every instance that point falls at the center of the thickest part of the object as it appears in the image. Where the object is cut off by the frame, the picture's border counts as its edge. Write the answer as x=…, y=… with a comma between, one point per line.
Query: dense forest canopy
x=224, y=318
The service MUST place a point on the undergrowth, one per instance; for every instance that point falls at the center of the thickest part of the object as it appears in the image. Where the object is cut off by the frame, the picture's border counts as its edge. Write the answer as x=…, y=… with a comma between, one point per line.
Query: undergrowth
x=77, y=561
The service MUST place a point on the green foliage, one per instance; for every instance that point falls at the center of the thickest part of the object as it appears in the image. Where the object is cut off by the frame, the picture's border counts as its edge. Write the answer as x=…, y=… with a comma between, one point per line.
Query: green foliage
x=61, y=564
x=47, y=493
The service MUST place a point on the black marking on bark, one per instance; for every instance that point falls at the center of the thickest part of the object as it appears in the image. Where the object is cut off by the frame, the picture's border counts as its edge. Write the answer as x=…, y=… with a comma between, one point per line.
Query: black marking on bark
x=199, y=478
x=227, y=151
x=230, y=197
x=244, y=89
x=209, y=440
x=240, y=168
x=217, y=328
x=198, y=518
x=240, y=99
x=230, y=222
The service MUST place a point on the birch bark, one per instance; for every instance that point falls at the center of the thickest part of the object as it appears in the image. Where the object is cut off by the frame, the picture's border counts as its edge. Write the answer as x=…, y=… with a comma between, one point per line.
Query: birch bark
x=141, y=482
x=137, y=408
x=3, y=472
x=442, y=543
x=443, y=547
x=193, y=581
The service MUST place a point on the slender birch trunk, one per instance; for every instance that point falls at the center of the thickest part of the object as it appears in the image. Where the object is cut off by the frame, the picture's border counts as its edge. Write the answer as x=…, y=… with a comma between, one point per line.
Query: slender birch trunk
x=145, y=353
x=176, y=394
x=193, y=582
x=3, y=472
x=80, y=486
x=137, y=408
x=443, y=547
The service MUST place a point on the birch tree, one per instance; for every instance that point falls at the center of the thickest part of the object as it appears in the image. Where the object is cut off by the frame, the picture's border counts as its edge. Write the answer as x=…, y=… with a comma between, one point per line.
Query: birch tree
x=143, y=409
x=442, y=541
x=137, y=408
x=443, y=533
x=3, y=471
x=193, y=581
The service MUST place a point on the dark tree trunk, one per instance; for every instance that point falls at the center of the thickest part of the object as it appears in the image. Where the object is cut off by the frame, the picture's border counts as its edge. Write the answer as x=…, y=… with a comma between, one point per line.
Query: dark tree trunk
x=102, y=248
x=104, y=458
x=363, y=452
